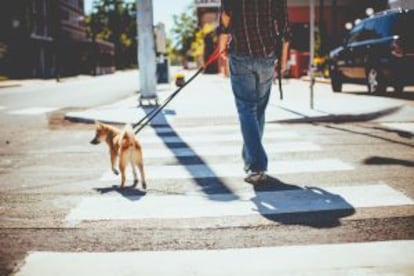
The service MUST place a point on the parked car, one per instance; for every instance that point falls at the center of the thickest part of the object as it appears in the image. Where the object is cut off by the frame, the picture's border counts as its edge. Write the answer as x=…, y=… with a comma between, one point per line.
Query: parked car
x=379, y=52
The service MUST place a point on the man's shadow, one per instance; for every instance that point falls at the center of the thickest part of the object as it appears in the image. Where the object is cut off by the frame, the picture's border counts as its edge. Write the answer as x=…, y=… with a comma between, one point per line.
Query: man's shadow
x=131, y=193
x=293, y=205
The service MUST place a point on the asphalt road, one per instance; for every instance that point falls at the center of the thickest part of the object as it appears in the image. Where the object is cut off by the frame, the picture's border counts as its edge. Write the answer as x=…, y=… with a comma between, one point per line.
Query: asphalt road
x=76, y=92
x=48, y=171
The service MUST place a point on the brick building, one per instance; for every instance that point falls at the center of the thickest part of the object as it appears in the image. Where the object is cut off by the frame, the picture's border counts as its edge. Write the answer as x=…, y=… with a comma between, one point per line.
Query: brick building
x=48, y=38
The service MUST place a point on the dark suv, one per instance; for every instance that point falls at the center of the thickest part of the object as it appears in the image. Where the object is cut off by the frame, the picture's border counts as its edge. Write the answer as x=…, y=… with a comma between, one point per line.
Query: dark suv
x=378, y=52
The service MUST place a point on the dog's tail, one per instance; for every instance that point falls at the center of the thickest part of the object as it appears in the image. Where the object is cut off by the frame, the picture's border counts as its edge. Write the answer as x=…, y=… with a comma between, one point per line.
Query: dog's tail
x=127, y=134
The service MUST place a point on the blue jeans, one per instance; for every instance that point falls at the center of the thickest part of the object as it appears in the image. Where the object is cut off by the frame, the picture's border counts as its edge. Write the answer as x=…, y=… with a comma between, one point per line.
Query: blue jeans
x=251, y=80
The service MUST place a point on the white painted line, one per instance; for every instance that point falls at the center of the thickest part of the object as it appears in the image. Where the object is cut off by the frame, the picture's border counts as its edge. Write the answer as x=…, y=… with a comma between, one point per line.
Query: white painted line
x=248, y=203
x=228, y=150
x=408, y=127
x=210, y=138
x=235, y=170
x=369, y=258
x=202, y=129
x=32, y=111
x=2, y=107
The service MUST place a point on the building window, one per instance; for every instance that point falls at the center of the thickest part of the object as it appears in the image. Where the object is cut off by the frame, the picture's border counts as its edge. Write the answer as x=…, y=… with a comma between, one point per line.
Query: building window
x=40, y=16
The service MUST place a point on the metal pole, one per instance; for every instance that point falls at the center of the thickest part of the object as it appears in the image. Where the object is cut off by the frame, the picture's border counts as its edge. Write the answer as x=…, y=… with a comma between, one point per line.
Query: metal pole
x=312, y=51
x=146, y=51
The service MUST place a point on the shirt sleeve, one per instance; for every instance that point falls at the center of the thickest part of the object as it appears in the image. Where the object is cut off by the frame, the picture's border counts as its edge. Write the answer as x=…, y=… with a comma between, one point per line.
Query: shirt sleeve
x=281, y=17
x=225, y=8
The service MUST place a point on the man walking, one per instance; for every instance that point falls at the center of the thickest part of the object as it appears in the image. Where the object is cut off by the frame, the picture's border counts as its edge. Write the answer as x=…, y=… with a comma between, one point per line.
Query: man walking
x=252, y=31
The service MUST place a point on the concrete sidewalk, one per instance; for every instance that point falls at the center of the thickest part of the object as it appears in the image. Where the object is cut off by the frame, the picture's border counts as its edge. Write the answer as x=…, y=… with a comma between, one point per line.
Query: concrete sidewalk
x=209, y=99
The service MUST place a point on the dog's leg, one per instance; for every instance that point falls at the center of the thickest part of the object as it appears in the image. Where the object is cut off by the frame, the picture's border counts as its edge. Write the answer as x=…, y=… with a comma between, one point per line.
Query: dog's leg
x=122, y=166
x=113, y=162
x=140, y=165
x=134, y=171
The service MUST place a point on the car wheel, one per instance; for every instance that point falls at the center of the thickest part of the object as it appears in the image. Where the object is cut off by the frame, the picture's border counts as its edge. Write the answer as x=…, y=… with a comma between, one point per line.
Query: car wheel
x=336, y=82
x=375, y=81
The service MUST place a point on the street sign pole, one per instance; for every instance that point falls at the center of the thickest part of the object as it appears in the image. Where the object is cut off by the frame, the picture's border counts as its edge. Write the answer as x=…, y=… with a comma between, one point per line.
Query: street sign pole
x=312, y=51
x=146, y=52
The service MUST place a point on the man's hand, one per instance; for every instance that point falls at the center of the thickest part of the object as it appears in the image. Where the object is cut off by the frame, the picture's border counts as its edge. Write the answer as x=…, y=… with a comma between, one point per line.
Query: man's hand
x=222, y=46
x=225, y=20
x=283, y=61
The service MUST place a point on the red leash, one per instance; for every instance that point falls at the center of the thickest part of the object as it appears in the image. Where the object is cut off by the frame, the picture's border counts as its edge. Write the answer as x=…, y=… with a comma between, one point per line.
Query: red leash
x=215, y=55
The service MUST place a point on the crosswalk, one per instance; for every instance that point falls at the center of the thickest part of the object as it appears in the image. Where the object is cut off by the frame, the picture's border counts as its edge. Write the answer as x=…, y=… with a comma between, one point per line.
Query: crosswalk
x=212, y=156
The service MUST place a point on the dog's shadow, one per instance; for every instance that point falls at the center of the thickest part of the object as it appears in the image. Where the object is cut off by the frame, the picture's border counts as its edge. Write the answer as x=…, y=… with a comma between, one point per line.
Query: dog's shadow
x=131, y=193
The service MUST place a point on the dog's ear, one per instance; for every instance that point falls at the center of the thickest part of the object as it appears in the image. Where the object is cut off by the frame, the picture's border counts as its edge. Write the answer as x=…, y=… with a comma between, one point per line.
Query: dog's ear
x=98, y=124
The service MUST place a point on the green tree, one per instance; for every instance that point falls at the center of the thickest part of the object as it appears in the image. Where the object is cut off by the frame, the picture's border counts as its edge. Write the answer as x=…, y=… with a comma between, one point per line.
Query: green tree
x=184, y=31
x=114, y=21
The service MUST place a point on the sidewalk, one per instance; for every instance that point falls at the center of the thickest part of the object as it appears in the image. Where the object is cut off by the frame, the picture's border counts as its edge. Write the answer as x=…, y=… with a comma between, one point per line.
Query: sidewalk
x=10, y=83
x=209, y=99
x=36, y=82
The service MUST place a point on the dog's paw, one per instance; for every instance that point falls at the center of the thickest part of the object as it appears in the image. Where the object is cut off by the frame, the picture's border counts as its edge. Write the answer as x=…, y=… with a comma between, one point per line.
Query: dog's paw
x=135, y=183
x=115, y=171
x=144, y=185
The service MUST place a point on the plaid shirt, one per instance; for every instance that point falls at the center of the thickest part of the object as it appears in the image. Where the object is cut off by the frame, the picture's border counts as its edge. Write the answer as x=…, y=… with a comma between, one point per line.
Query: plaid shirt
x=255, y=25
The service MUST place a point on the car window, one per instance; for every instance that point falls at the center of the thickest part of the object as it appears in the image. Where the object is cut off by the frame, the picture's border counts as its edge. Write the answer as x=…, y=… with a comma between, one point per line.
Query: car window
x=363, y=31
x=370, y=32
x=355, y=33
x=384, y=25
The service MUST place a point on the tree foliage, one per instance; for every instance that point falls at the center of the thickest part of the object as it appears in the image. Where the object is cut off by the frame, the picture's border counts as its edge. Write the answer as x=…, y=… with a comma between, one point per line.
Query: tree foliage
x=184, y=30
x=115, y=21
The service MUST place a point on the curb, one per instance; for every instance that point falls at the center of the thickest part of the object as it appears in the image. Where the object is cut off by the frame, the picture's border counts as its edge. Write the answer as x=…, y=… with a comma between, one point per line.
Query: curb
x=342, y=118
x=75, y=119
x=9, y=85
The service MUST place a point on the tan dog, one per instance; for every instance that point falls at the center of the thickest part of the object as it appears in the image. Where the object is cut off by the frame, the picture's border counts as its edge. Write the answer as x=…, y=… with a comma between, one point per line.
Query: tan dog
x=122, y=144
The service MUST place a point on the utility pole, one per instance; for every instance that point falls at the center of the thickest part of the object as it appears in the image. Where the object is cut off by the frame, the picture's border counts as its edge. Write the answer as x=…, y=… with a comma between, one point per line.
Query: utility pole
x=57, y=40
x=312, y=51
x=146, y=52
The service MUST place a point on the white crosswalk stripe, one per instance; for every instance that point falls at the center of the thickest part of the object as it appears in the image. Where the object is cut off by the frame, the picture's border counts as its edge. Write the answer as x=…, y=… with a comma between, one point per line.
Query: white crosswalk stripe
x=374, y=258
x=226, y=150
x=248, y=203
x=235, y=170
x=406, y=126
x=200, y=129
x=209, y=138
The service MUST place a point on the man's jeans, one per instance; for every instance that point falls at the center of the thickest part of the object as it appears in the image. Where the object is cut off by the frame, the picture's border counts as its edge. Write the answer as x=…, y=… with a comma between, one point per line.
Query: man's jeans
x=251, y=80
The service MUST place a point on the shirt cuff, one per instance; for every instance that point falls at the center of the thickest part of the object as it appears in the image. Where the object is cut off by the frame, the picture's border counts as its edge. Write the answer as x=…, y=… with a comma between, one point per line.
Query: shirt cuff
x=287, y=35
